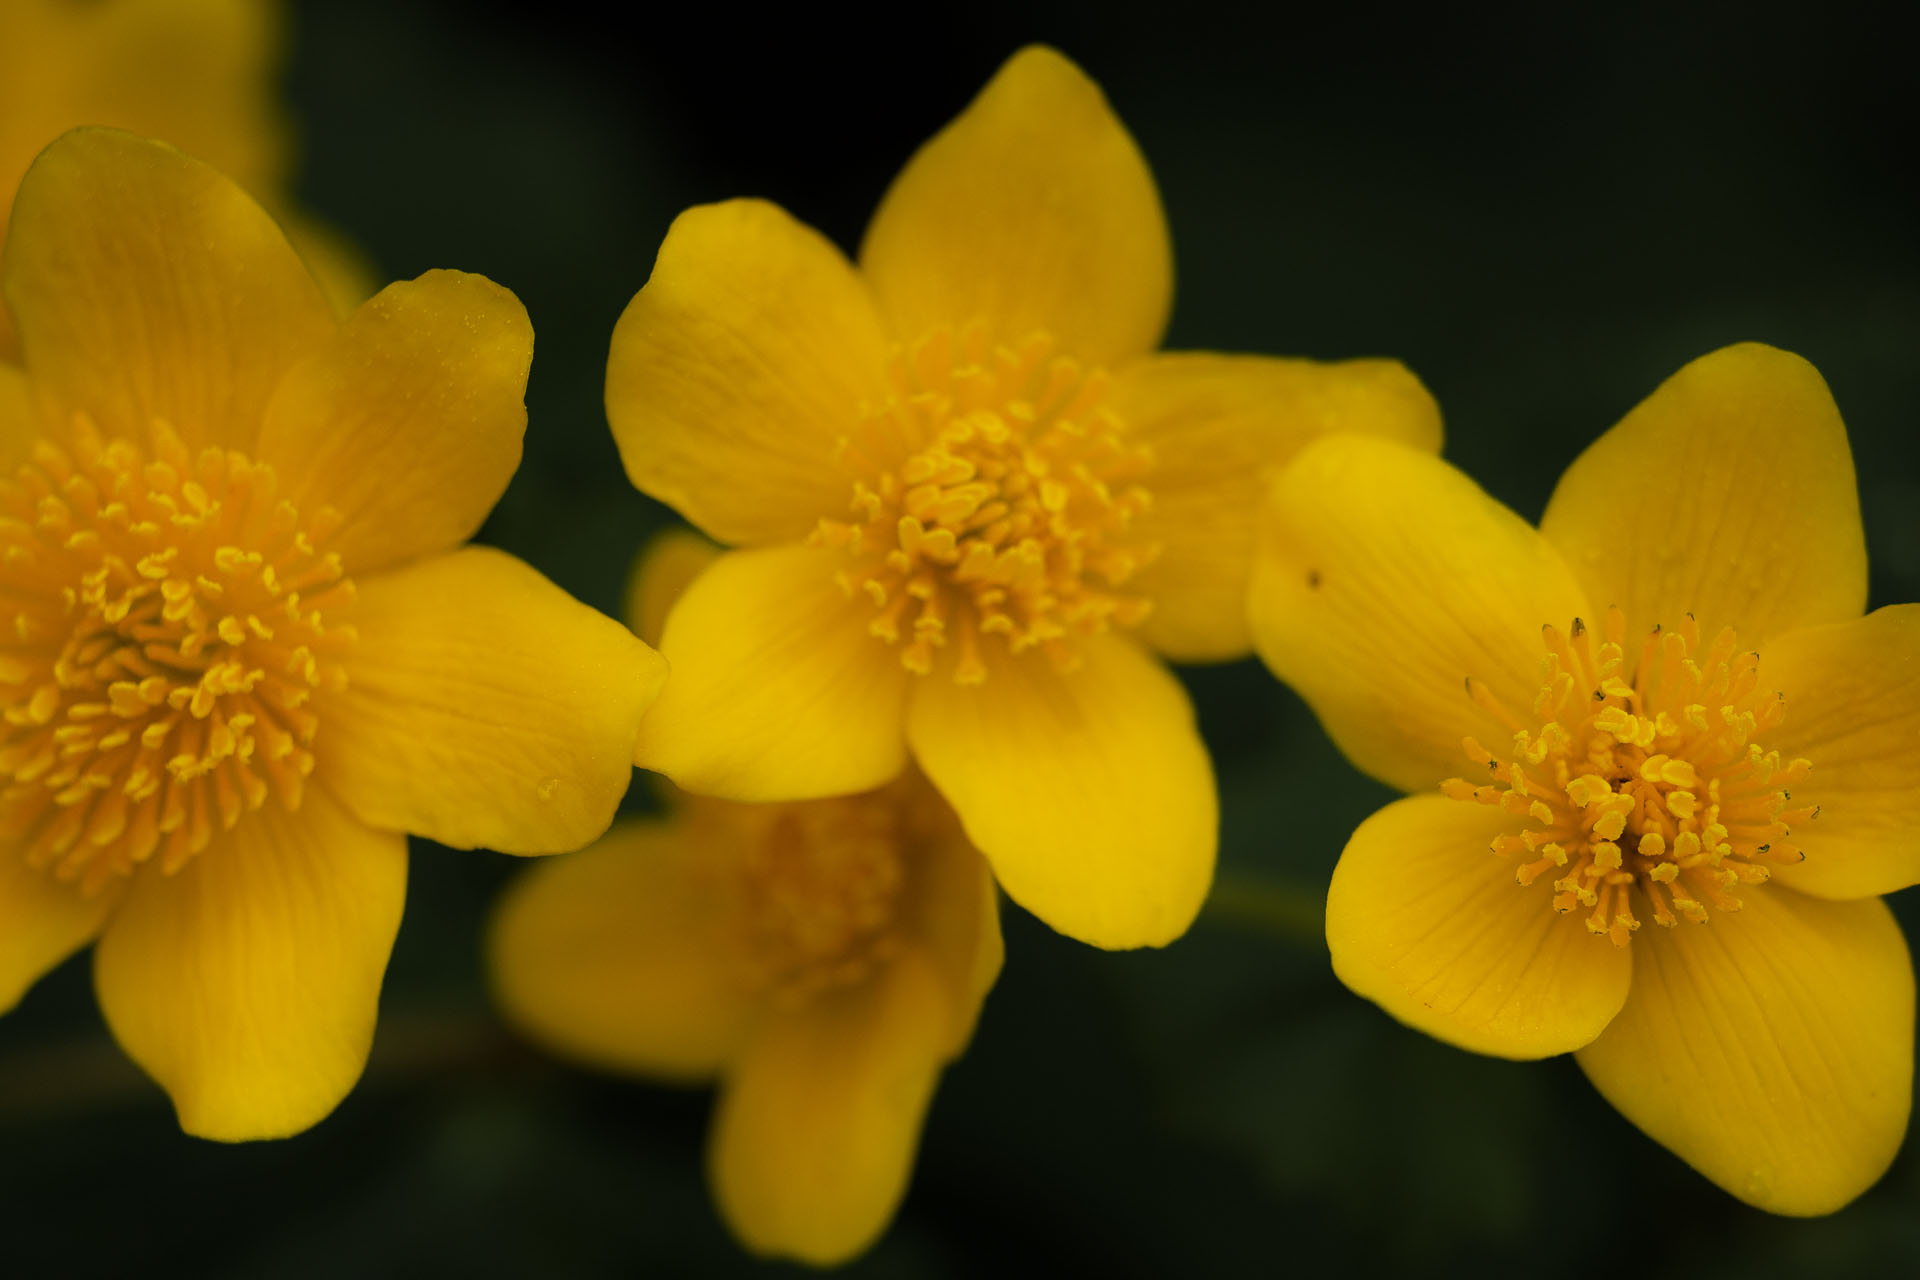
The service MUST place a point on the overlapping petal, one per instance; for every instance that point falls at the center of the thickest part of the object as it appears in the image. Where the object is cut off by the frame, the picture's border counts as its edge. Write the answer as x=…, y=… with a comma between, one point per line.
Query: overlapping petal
x=820, y=1117
x=409, y=422
x=627, y=954
x=1853, y=710
x=1089, y=791
x=248, y=983
x=1728, y=493
x=952, y=914
x=753, y=350
x=660, y=575
x=1424, y=920
x=1218, y=426
x=1032, y=211
x=485, y=706
x=1770, y=1049
x=1382, y=581
x=778, y=691
x=147, y=286
x=42, y=921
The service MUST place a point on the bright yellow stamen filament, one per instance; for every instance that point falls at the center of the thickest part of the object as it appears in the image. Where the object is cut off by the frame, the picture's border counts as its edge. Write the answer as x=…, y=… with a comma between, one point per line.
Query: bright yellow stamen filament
x=1650, y=789
x=163, y=638
x=823, y=884
x=994, y=496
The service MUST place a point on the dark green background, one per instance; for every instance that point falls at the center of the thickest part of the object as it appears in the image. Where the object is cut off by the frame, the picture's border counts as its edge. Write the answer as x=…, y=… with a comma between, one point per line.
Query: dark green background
x=1544, y=213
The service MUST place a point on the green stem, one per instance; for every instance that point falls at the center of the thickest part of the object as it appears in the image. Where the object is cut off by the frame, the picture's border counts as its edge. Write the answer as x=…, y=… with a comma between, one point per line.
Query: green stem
x=88, y=1073
x=1272, y=907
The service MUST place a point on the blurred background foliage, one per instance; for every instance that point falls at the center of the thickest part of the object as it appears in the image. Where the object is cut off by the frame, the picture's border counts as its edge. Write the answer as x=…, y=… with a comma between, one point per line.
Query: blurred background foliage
x=1543, y=210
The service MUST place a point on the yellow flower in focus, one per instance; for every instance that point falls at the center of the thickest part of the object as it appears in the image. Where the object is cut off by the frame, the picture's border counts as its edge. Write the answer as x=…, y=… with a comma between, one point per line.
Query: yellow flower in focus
x=195, y=73
x=244, y=652
x=1693, y=760
x=971, y=501
x=824, y=959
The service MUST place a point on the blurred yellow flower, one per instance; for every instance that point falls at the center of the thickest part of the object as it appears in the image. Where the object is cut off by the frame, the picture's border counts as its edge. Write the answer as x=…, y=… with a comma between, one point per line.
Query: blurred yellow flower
x=823, y=958
x=196, y=73
x=971, y=501
x=245, y=654
x=1733, y=755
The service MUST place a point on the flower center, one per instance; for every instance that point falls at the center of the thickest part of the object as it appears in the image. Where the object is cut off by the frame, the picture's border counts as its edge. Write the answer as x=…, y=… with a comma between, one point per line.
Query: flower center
x=1654, y=788
x=1011, y=514
x=824, y=880
x=166, y=635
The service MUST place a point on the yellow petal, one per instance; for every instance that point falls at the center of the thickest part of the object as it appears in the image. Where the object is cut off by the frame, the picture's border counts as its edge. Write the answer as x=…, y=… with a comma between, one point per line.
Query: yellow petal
x=346, y=275
x=485, y=706
x=42, y=922
x=198, y=73
x=1033, y=210
x=146, y=285
x=819, y=1120
x=1853, y=710
x=247, y=984
x=1727, y=493
x=409, y=422
x=778, y=692
x=951, y=910
x=661, y=574
x=1089, y=791
x=1772, y=1050
x=1218, y=424
x=752, y=351
x=19, y=419
x=1382, y=580
x=628, y=953
x=1426, y=922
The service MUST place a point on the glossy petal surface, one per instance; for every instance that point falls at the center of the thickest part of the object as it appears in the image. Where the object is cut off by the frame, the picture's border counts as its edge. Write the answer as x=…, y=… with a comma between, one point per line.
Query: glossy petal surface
x=1089, y=791
x=1383, y=580
x=1032, y=211
x=1772, y=1050
x=1853, y=709
x=778, y=692
x=247, y=985
x=146, y=285
x=1427, y=923
x=1728, y=493
x=752, y=350
x=486, y=706
x=409, y=422
x=1219, y=425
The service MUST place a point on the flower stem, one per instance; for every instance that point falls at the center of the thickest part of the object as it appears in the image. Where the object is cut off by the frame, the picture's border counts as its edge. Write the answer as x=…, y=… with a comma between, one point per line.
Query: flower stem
x=1273, y=907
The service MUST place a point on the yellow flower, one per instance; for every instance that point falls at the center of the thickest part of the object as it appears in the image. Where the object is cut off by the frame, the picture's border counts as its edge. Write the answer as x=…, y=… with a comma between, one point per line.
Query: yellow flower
x=970, y=500
x=1673, y=714
x=196, y=73
x=244, y=654
x=823, y=958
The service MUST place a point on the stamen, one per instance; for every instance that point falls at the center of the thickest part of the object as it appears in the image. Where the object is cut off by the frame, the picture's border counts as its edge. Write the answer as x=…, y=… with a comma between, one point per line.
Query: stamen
x=160, y=638
x=1643, y=781
x=1007, y=510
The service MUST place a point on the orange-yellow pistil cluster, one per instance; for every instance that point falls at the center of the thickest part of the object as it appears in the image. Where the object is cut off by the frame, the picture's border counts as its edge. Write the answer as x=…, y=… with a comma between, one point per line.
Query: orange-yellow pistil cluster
x=165, y=634
x=1012, y=512
x=823, y=887
x=1657, y=785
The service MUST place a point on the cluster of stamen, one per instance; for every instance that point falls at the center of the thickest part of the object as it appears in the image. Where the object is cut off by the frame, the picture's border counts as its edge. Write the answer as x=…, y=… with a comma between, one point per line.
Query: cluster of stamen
x=1652, y=786
x=1010, y=509
x=163, y=638
x=823, y=881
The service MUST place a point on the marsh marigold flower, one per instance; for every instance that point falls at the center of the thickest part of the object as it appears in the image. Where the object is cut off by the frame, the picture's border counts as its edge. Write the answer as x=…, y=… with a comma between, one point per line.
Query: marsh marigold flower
x=822, y=959
x=971, y=502
x=1664, y=764
x=196, y=73
x=243, y=651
